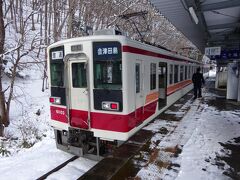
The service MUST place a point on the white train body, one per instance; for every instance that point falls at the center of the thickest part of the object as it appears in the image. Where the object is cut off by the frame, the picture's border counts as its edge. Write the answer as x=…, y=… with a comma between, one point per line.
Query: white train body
x=112, y=86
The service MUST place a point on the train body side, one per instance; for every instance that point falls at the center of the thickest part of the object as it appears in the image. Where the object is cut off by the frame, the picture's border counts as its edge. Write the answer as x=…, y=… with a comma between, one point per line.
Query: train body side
x=138, y=99
x=140, y=108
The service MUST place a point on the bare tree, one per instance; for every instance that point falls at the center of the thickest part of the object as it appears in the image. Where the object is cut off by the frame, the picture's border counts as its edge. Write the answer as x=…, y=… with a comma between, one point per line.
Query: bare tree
x=21, y=45
x=4, y=120
x=46, y=42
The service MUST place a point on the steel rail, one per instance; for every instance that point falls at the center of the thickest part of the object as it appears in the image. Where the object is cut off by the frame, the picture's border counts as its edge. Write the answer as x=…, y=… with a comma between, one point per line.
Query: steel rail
x=57, y=168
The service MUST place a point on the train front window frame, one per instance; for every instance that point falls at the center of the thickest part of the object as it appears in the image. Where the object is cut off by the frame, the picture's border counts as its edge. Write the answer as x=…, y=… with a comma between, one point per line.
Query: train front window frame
x=107, y=65
x=108, y=75
x=57, y=73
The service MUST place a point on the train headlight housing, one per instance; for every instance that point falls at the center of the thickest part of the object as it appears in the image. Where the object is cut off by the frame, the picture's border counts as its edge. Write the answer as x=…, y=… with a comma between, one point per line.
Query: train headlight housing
x=111, y=106
x=55, y=100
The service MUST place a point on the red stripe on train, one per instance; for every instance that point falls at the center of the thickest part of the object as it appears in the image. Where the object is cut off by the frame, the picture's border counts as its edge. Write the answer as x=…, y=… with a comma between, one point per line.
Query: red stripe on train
x=150, y=53
x=103, y=121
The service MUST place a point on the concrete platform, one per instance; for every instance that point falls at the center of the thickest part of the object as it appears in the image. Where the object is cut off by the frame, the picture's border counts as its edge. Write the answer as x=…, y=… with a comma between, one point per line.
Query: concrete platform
x=175, y=145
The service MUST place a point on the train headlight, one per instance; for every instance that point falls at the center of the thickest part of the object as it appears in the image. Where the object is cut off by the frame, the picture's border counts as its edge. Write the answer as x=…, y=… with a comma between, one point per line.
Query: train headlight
x=55, y=100
x=111, y=106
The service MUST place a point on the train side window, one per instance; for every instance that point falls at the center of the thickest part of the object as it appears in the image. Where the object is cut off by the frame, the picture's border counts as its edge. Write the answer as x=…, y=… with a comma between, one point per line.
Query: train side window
x=181, y=73
x=175, y=73
x=186, y=72
x=137, y=68
x=79, y=79
x=171, y=74
x=153, y=77
x=189, y=72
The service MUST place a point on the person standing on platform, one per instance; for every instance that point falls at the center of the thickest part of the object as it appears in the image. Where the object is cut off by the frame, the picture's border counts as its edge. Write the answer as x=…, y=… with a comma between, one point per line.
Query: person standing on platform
x=198, y=81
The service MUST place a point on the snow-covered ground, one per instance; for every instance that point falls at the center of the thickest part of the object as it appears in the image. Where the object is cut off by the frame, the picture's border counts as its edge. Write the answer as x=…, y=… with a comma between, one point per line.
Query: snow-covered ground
x=41, y=158
x=199, y=135
x=30, y=144
x=29, y=114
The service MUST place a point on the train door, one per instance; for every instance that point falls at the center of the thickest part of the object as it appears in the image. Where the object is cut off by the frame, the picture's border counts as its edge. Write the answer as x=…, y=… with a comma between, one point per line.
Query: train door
x=162, y=85
x=139, y=100
x=78, y=94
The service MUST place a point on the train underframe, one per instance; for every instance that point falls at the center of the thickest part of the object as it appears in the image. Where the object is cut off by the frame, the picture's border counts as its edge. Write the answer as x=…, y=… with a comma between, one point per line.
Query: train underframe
x=83, y=143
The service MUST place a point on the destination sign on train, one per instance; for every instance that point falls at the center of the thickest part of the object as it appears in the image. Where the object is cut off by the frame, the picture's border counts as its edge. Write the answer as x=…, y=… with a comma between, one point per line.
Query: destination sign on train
x=106, y=50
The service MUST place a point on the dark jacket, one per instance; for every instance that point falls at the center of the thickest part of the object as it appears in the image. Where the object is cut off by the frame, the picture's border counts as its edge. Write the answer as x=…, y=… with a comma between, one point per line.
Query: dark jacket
x=198, y=79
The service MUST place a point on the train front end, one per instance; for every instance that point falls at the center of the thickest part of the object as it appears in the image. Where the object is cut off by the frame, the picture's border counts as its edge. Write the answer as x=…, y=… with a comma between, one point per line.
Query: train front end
x=86, y=95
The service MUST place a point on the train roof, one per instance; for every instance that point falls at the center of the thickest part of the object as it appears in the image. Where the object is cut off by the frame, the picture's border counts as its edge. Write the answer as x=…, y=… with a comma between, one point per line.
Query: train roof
x=124, y=40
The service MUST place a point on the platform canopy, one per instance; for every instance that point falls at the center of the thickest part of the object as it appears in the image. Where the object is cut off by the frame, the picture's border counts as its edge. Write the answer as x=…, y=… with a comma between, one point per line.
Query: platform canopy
x=204, y=22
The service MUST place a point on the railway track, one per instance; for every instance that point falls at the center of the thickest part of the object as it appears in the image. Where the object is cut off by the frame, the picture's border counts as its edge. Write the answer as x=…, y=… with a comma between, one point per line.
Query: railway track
x=58, y=168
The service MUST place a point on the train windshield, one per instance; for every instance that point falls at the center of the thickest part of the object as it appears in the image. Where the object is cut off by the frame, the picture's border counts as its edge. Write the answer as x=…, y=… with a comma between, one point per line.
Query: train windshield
x=108, y=74
x=56, y=70
x=56, y=55
x=107, y=58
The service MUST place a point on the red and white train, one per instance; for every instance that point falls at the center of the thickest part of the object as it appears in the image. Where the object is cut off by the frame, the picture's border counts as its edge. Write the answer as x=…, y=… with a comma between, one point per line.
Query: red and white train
x=105, y=88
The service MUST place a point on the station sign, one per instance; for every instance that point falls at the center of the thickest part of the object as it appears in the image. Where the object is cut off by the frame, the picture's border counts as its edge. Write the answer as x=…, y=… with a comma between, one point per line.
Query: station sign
x=107, y=50
x=212, y=51
x=232, y=54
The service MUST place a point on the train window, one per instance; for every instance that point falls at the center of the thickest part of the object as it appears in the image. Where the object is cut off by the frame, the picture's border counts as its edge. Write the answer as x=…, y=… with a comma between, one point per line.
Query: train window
x=186, y=72
x=161, y=76
x=79, y=79
x=153, y=77
x=171, y=74
x=57, y=73
x=189, y=72
x=137, y=78
x=108, y=74
x=181, y=72
x=175, y=73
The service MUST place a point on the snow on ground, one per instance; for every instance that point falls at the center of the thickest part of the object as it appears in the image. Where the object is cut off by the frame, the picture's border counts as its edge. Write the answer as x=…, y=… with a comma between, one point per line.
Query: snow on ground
x=30, y=142
x=199, y=135
x=42, y=157
x=211, y=127
x=29, y=114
